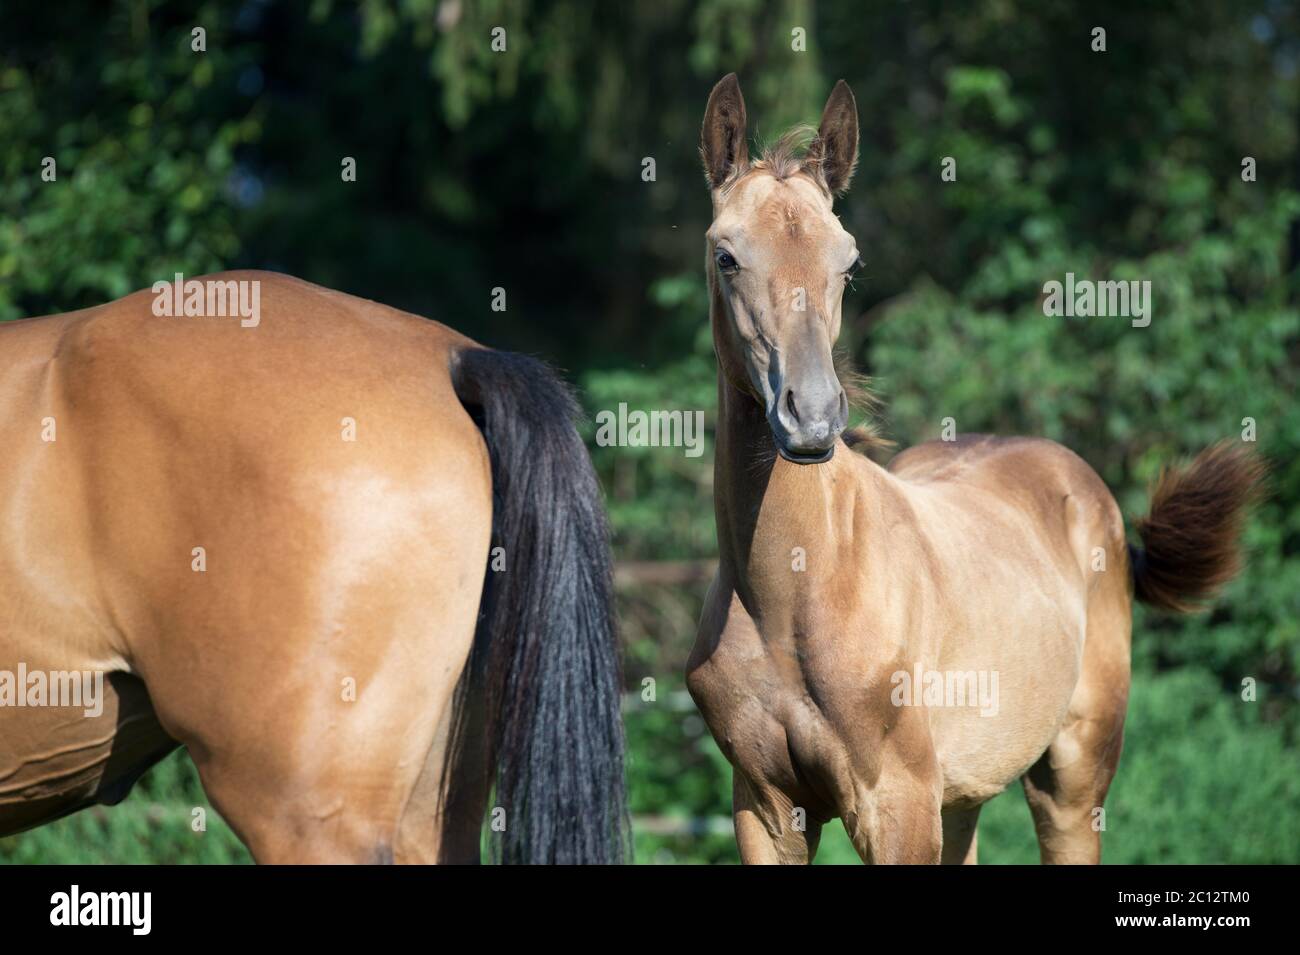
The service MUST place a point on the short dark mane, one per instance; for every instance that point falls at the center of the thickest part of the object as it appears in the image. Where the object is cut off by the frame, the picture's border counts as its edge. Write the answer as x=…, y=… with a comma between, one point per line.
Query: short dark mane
x=789, y=156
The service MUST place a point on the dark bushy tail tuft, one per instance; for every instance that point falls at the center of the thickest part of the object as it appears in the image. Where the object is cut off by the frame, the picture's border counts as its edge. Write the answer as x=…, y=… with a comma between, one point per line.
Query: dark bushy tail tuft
x=544, y=672
x=1191, y=538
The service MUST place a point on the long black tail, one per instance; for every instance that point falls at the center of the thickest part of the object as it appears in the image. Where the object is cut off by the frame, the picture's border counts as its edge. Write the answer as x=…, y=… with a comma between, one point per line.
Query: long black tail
x=543, y=680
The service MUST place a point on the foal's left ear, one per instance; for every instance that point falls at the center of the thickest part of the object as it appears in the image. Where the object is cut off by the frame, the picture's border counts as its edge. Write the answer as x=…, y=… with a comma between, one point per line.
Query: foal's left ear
x=836, y=145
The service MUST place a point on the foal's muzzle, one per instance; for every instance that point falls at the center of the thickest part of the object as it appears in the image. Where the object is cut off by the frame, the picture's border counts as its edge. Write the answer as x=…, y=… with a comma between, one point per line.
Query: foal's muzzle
x=808, y=419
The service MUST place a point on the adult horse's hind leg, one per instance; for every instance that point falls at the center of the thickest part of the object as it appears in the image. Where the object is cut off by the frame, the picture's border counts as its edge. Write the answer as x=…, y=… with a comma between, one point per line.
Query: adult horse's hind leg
x=1067, y=786
x=332, y=778
x=319, y=664
x=320, y=775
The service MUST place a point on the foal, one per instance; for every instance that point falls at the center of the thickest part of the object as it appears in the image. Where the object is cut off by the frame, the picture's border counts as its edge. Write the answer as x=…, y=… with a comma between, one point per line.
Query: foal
x=1001, y=561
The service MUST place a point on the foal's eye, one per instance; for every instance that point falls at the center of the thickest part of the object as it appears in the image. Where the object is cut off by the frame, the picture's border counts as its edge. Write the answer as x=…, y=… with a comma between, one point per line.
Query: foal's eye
x=852, y=270
x=725, y=261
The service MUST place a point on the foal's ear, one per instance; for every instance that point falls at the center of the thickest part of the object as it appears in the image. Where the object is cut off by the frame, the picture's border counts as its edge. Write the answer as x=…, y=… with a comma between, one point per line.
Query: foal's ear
x=722, y=138
x=836, y=145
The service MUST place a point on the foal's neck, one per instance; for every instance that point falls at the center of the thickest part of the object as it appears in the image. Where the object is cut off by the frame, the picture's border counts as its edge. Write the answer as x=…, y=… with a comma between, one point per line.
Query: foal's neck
x=784, y=530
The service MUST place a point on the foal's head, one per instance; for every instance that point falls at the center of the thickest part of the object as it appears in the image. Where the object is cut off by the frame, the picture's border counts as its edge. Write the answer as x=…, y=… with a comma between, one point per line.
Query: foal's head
x=778, y=264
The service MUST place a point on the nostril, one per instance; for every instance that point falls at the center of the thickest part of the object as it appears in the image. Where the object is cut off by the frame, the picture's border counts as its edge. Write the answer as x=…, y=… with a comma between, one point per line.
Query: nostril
x=789, y=404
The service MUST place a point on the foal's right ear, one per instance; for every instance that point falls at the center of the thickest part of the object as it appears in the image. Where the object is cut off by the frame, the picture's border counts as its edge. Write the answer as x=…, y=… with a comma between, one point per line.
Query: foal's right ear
x=722, y=139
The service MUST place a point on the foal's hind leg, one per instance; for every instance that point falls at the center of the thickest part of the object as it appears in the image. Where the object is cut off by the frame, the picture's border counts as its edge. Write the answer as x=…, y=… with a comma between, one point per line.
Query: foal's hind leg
x=1067, y=786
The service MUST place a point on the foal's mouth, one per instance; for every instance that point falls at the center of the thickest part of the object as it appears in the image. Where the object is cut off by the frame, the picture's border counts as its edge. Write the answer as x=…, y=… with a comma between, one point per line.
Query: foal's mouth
x=805, y=457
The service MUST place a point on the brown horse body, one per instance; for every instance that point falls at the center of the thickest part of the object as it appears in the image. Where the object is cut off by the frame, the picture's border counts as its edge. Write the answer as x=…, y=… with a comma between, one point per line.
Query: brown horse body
x=309, y=654
x=984, y=562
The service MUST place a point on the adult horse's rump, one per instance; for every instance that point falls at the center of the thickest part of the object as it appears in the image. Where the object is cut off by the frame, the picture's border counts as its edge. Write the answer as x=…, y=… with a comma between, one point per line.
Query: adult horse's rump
x=273, y=541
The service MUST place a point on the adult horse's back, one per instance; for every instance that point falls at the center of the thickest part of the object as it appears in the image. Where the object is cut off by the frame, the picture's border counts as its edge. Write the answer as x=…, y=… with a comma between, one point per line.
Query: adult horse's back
x=354, y=562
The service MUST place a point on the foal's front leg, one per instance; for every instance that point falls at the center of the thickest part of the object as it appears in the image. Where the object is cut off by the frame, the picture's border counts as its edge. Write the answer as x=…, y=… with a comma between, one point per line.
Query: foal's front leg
x=889, y=792
x=897, y=822
x=770, y=828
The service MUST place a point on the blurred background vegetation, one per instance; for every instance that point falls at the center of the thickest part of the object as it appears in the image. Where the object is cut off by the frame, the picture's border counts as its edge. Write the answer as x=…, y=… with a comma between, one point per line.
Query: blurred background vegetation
x=523, y=169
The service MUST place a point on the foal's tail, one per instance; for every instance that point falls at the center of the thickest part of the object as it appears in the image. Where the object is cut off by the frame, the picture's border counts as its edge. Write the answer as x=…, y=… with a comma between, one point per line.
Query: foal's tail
x=544, y=671
x=1190, y=540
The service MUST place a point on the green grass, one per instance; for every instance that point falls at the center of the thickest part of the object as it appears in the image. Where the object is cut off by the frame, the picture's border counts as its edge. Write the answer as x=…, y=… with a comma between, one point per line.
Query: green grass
x=152, y=825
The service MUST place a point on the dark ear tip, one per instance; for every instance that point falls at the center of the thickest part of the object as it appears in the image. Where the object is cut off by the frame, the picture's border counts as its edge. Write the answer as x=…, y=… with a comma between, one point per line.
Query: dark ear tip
x=729, y=82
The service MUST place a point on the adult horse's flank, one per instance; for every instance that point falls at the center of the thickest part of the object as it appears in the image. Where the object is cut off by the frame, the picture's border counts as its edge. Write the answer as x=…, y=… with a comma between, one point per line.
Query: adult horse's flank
x=990, y=563
x=280, y=544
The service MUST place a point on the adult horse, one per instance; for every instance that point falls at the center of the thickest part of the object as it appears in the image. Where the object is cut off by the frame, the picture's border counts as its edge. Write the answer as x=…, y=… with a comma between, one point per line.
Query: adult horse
x=983, y=562
x=354, y=562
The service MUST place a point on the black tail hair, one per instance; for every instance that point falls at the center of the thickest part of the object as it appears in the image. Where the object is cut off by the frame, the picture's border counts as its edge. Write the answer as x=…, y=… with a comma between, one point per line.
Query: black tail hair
x=544, y=673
